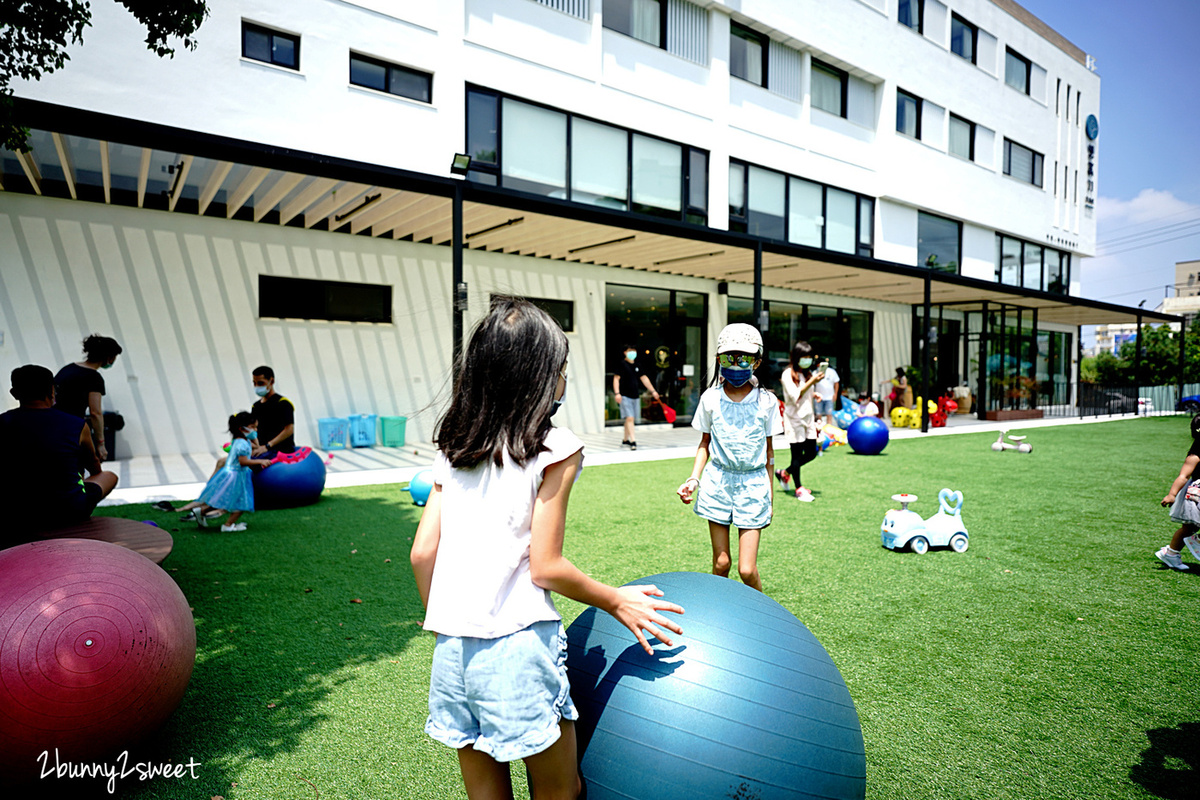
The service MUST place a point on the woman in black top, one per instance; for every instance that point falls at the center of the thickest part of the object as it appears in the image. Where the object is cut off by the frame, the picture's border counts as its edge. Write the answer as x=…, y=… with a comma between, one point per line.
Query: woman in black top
x=79, y=386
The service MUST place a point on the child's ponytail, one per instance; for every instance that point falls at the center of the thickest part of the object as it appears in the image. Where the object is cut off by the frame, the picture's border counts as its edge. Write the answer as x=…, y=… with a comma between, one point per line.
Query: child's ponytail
x=242, y=419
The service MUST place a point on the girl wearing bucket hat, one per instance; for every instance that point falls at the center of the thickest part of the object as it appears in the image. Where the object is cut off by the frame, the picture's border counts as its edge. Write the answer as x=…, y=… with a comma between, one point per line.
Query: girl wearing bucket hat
x=731, y=475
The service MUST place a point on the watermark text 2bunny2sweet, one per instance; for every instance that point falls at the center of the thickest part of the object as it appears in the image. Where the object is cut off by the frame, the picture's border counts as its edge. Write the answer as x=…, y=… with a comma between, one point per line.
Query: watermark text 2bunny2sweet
x=119, y=769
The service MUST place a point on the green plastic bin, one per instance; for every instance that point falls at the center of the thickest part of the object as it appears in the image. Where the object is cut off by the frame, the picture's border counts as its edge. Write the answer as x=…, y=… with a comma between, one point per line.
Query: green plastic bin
x=393, y=431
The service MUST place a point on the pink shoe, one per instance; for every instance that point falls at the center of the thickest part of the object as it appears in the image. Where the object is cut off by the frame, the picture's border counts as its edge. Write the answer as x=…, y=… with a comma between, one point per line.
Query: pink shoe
x=784, y=477
x=804, y=495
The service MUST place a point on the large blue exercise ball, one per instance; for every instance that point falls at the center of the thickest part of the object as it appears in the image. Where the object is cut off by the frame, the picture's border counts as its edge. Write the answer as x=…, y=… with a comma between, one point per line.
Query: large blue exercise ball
x=293, y=479
x=420, y=486
x=867, y=436
x=747, y=703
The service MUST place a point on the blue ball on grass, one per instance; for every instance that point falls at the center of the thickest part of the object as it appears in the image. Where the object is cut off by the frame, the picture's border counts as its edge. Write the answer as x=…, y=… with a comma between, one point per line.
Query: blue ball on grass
x=867, y=436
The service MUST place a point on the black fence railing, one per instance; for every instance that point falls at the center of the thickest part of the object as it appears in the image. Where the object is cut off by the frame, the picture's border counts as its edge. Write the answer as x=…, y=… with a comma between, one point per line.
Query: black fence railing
x=1096, y=399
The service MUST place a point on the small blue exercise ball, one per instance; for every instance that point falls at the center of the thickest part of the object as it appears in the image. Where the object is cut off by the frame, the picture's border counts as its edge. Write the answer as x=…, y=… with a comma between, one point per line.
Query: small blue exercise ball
x=867, y=436
x=293, y=479
x=746, y=704
x=420, y=486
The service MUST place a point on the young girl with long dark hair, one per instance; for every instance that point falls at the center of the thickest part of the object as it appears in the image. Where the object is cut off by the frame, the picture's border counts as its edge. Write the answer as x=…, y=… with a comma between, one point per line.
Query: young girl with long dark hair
x=800, y=422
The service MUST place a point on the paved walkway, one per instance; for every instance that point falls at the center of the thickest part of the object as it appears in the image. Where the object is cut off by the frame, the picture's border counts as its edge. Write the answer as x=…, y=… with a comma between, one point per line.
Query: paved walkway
x=180, y=478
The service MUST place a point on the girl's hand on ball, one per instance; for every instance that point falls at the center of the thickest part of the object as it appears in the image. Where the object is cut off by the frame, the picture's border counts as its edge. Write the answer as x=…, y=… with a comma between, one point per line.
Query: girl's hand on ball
x=637, y=609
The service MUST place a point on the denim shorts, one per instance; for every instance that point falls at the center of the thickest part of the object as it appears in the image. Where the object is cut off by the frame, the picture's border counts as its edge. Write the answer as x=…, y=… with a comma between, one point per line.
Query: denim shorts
x=631, y=407
x=742, y=499
x=505, y=696
x=823, y=407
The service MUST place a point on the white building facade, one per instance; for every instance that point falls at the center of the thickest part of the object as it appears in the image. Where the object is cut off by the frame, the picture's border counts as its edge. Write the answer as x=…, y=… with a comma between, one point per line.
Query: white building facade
x=959, y=139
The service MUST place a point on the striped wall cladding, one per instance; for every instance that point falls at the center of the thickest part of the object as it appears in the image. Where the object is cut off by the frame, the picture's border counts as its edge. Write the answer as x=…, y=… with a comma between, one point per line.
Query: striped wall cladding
x=783, y=71
x=687, y=31
x=576, y=8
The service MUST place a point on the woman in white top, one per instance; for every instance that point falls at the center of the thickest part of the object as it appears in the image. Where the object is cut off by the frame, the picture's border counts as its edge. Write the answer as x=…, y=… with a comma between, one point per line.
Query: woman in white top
x=800, y=423
x=488, y=552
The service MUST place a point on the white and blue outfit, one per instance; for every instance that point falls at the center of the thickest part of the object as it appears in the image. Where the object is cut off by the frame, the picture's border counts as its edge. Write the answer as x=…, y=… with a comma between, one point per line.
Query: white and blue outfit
x=735, y=487
x=231, y=488
x=499, y=675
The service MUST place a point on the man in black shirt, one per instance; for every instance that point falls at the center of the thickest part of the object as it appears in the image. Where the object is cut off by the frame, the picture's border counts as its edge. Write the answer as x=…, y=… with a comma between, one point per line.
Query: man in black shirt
x=627, y=386
x=40, y=483
x=275, y=414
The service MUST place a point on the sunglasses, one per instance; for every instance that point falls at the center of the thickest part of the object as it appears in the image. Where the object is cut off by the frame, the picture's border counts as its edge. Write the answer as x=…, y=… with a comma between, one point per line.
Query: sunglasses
x=729, y=360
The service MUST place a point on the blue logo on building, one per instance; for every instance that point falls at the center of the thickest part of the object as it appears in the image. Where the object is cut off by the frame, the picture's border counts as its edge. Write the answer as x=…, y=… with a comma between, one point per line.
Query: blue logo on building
x=1093, y=126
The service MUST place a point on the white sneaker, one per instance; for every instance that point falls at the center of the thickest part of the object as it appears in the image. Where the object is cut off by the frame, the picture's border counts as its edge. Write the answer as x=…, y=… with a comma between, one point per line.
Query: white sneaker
x=1172, y=560
x=241, y=526
x=1193, y=544
x=804, y=495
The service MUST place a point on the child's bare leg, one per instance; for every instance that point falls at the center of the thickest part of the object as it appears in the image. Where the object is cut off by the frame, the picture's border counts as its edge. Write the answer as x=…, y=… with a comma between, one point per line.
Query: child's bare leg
x=485, y=777
x=234, y=517
x=1179, y=535
x=748, y=557
x=720, y=546
x=554, y=772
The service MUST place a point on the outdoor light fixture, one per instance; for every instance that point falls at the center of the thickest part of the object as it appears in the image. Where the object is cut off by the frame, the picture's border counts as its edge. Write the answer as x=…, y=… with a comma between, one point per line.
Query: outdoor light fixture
x=460, y=164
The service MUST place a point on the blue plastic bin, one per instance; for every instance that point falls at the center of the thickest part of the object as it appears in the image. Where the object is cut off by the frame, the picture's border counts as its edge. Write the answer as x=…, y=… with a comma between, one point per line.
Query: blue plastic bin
x=333, y=432
x=362, y=430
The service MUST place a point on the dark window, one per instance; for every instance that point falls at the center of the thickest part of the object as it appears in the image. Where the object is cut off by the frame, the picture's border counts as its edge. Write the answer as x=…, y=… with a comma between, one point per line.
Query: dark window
x=272, y=47
x=908, y=114
x=533, y=149
x=561, y=311
x=642, y=19
x=302, y=298
x=939, y=242
x=391, y=78
x=962, y=138
x=1016, y=70
x=963, y=37
x=910, y=14
x=1022, y=163
x=1032, y=266
x=829, y=88
x=748, y=54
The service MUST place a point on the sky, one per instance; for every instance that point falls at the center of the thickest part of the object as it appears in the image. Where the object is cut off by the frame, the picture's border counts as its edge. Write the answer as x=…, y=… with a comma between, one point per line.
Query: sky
x=1148, y=186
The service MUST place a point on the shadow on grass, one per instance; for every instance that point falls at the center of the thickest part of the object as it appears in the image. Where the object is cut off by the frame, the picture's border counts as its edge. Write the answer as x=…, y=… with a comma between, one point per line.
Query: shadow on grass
x=284, y=612
x=1170, y=766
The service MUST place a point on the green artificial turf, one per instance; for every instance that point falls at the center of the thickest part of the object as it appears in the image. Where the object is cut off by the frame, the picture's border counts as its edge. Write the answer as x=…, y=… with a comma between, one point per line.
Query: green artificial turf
x=1056, y=658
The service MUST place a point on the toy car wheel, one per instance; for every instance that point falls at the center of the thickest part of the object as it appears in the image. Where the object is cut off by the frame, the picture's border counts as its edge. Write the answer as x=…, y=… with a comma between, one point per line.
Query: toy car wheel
x=958, y=543
x=919, y=545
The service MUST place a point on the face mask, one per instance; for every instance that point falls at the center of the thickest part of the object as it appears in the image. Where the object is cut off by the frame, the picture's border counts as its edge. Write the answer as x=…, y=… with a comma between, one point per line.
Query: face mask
x=251, y=435
x=261, y=391
x=735, y=376
x=630, y=355
x=106, y=366
x=556, y=406
x=805, y=363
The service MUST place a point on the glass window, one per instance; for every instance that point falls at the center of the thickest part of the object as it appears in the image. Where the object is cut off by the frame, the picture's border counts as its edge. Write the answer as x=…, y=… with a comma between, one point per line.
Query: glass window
x=391, y=78
x=908, y=114
x=534, y=142
x=272, y=47
x=1057, y=271
x=1022, y=163
x=828, y=88
x=1031, y=276
x=766, y=203
x=1016, y=71
x=910, y=13
x=599, y=164
x=962, y=37
x=303, y=298
x=937, y=242
x=641, y=19
x=697, y=186
x=747, y=54
x=962, y=138
x=805, y=212
x=737, y=193
x=657, y=176
x=1008, y=270
x=481, y=128
x=841, y=214
x=866, y=226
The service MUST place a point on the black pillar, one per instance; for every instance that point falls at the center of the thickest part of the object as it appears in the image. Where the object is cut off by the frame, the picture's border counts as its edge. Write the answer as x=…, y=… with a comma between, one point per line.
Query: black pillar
x=981, y=397
x=458, y=289
x=758, y=301
x=1183, y=323
x=925, y=363
x=1137, y=365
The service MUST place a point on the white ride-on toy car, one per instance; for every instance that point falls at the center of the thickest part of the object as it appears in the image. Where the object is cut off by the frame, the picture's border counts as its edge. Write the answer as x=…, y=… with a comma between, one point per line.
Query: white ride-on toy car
x=903, y=528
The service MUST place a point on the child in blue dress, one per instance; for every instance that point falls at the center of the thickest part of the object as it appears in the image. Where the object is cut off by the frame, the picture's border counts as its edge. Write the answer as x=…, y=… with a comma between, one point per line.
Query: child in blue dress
x=737, y=419
x=230, y=488
x=489, y=551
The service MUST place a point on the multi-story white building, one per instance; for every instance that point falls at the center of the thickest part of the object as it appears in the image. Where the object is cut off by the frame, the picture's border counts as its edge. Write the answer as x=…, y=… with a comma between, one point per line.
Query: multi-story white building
x=648, y=169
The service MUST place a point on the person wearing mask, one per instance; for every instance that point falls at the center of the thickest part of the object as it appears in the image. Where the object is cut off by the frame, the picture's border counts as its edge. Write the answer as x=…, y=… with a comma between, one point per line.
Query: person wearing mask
x=628, y=381
x=80, y=385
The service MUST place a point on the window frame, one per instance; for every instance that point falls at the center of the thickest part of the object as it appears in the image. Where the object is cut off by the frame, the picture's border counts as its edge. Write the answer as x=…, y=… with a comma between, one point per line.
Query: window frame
x=958, y=256
x=920, y=26
x=842, y=76
x=974, y=29
x=918, y=102
x=739, y=31
x=389, y=67
x=1008, y=51
x=272, y=33
x=1043, y=281
x=492, y=174
x=662, y=25
x=970, y=133
x=1038, y=164
x=738, y=223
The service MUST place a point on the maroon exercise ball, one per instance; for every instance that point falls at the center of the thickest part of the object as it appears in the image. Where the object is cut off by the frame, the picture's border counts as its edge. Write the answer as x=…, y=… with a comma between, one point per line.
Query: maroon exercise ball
x=97, y=645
